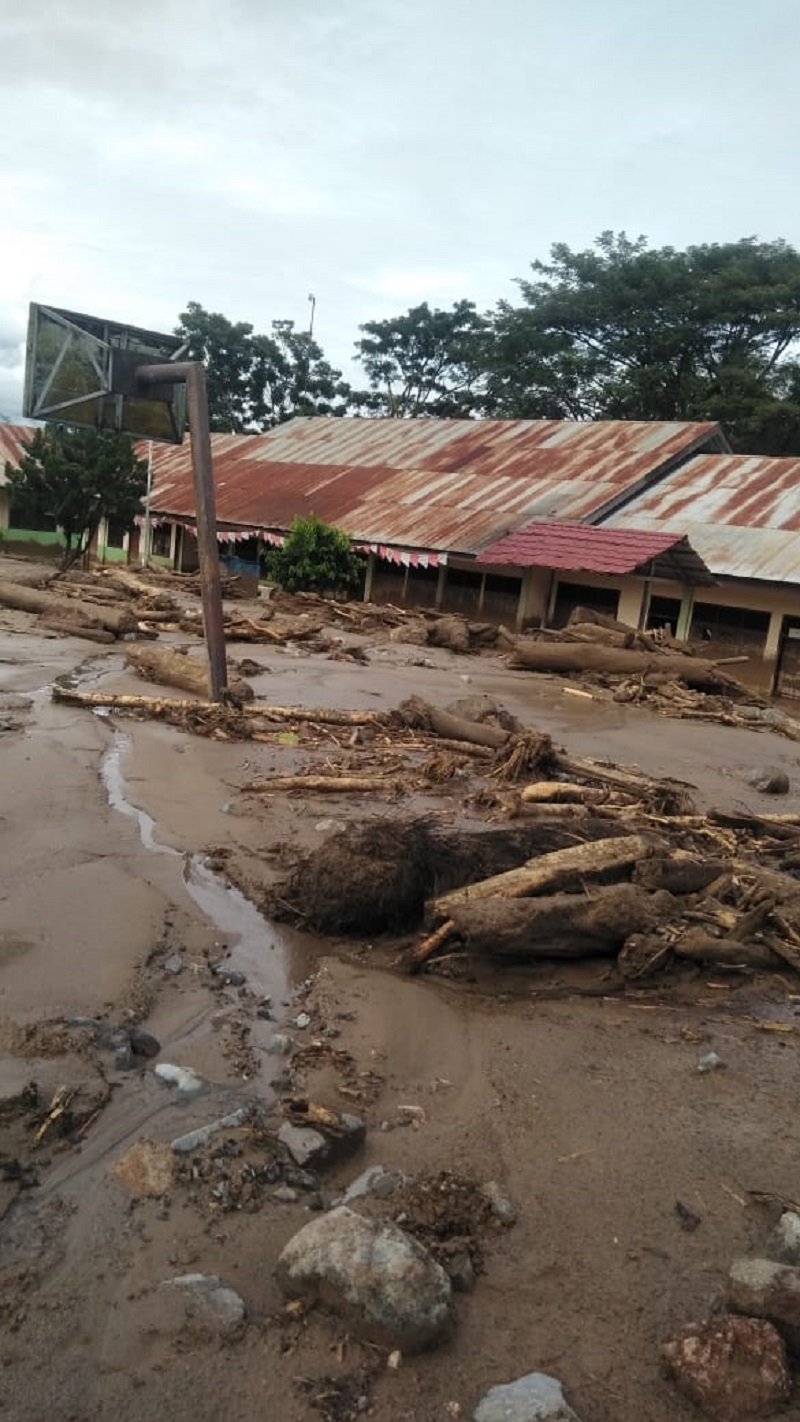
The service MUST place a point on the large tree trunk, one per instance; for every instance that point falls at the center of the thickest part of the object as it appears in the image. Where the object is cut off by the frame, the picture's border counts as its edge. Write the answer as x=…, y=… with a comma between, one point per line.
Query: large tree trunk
x=559, y=870
x=420, y=714
x=553, y=656
x=116, y=620
x=171, y=668
x=561, y=926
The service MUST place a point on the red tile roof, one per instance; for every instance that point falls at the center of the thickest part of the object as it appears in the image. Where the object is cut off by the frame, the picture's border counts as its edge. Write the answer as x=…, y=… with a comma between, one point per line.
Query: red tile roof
x=574, y=547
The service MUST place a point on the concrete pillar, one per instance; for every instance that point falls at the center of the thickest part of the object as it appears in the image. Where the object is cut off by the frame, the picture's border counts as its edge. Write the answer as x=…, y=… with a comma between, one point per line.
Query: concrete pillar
x=368, y=576
x=685, y=616
x=773, y=636
x=631, y=602
x=440, y=586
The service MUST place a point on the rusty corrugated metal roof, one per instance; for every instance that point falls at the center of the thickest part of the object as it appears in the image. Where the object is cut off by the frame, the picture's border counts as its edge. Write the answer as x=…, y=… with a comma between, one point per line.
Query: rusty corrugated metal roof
x=740, y=512
x=447, y=485
x=12, y=441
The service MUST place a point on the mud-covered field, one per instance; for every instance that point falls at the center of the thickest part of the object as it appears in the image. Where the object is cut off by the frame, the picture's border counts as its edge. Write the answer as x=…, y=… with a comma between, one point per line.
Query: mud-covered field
x=121, y=842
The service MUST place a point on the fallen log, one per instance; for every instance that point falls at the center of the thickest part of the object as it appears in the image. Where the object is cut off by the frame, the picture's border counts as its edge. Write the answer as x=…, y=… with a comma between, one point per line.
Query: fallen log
x=321, y=715
x=562, y=925
x=25, y=599
x=547, y=656
x=554, y=792
x=171, y=668
x=681, y=873
x=700, y=947
x=77, y=629
x=420, y=714
x=322, y=784
x=548, y=872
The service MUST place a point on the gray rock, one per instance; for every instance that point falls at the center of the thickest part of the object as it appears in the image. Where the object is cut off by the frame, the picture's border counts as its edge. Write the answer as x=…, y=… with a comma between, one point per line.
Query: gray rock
x=194, y=1140
x=710, y=1062
x=209, y=1302
x=377, y=1180
x=785, y=1240
x=184, y=1079
x=143, y=1044
x=502, y=1208
x=305, y=1146
x=461, y=1271
x=285, y=1195
x=280, y=1046
x=302, y=1020
x=761, y=1288
x=734, y=1369
x=770, y=781
x=300, y=1179
x=174, y=964
x=533, y=1398
x=372, y=1275
x=229, y=976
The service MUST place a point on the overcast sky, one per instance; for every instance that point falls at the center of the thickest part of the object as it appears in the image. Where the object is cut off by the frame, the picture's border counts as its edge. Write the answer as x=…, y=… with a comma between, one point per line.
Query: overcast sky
x=243, y=153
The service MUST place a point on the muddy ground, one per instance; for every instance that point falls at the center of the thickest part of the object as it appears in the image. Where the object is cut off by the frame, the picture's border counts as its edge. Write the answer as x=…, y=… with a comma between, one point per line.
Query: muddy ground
x=118, y=840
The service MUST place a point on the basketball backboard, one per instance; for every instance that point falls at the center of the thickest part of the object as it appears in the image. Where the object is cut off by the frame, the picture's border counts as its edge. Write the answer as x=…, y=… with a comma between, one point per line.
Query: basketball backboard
x=80, y=370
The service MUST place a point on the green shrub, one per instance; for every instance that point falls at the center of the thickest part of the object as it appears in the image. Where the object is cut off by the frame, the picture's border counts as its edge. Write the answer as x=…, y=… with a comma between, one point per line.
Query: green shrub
x=315, y=557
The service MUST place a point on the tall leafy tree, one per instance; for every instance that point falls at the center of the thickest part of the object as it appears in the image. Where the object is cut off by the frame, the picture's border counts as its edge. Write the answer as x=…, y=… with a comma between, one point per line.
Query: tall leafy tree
x=426, y=362
x=256, y=381
x=78, y=478
x=623, y=331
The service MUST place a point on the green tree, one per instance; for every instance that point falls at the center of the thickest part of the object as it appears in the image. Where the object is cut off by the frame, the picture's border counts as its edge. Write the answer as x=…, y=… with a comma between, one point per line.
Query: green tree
x=423, y=363
x=258, y=381
x=315, y=556
x=78, y=478
x=623, y=331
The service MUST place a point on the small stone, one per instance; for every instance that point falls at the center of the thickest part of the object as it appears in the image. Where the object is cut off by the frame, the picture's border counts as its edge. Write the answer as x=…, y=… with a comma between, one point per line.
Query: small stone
x=710, y=1062
x=734, y=1369
x=394, y=1360
x=328, y=826
x=372, y=1275
x=306, y=1146
x=264, y=1012
x=285, y=1195
x=761, y=1288
x=300, y=1179
x=502, y=1208
x=302, y=1021
x=770, y=781
x=209, y=1302
x=229, y=976
x=186, y=1081
x=533, y=1398
x=461, y=1270
x=195, y=1140
x=280, y=1046
x=147, y=1169
x=378, y=1181
x=143, y=1044
x=785, y=1241
x=174, y=964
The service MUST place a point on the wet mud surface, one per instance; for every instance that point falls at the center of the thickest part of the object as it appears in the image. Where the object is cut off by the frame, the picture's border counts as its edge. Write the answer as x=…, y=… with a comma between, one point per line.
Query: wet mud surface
x=117, y=845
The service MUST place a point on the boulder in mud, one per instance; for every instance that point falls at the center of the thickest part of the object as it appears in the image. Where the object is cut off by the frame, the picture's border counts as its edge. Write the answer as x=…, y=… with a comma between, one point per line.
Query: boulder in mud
x=147, y=1169
x=770, y=780
x=308, y=1148
x=785, y=1239
x=533, y=1398
x=733, y=1369
x=763, y=1288
x=371, y=1274
x=411, y=629
x=202, y=1302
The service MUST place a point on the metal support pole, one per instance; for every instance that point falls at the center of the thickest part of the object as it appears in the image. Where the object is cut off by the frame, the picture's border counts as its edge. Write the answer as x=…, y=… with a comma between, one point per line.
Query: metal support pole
x=144, y=551
x=193, y=373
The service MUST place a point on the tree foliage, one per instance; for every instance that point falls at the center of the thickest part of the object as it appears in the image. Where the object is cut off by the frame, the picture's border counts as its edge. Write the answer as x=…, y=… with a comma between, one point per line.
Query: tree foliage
x=258, y=381
x=315, y=556
x=78, y=478
x=623, y=331
x=424, y=362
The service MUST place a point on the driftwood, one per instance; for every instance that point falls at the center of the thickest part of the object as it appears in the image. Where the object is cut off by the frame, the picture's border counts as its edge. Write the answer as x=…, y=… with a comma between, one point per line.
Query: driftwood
x=562, y=868
x=729, y=951
x=549, y=792
x=321, y=715
x=321, y=784
x=562, y=925
x=77, y=629
x=171, y=668
x=556, y=656
x=420, y=714
x=25, y=599
x=681, y=873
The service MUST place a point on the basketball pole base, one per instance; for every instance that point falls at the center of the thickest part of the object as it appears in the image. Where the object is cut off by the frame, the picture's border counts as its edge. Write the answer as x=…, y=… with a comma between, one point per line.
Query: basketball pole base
x=194, y=375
